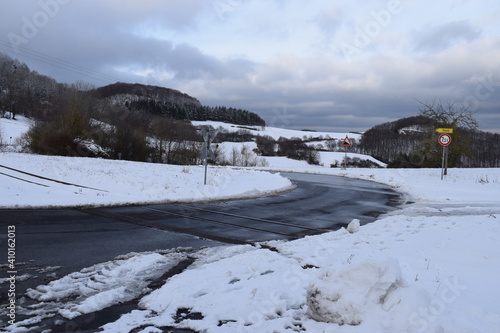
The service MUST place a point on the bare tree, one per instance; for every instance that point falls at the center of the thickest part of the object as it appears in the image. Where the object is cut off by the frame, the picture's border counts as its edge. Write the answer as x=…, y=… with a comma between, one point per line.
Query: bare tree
x=450, y=115
x=172, y=141
x=235, y=157
x=247, y=157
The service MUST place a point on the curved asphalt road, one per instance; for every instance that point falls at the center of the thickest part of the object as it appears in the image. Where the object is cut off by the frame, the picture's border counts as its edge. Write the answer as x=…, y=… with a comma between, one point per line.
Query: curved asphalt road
x=53, y=243
x=74, y=238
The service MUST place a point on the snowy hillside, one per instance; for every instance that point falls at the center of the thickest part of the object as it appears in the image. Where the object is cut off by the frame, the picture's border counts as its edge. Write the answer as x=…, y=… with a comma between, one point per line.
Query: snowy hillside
x=275, y=132
x=11, y=130
x=326, y=158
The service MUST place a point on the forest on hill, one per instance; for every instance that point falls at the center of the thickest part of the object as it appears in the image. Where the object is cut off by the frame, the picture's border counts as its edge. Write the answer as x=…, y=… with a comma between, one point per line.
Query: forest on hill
x=173, y=104
x=412, y=143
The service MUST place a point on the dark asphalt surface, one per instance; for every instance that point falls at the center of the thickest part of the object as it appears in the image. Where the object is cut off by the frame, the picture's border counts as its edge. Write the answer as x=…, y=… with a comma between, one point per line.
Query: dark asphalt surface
x=75, y=238
x=72, y=239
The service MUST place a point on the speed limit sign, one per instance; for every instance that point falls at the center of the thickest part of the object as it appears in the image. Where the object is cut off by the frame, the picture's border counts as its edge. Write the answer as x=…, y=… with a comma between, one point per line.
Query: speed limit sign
x=444, y=139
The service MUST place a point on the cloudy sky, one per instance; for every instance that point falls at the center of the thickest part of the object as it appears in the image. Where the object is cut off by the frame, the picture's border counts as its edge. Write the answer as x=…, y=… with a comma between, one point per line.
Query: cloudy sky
x=316, y=64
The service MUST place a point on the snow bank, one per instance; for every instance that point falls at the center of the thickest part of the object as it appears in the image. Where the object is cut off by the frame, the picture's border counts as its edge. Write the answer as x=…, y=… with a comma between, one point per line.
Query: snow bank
x=344, y=297
x=328, y=158
x=425, y=185
x=112, y=182
x=103, y=285
x=353, y=226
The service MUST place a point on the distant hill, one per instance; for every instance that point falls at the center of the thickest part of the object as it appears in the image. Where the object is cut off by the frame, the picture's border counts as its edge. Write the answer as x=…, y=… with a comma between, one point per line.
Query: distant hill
x=412, y=142
x=173, y=104
x=127, y=92
x=37, y=96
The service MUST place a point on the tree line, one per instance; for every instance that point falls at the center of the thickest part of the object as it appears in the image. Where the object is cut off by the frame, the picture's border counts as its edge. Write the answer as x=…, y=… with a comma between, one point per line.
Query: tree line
x=413, y=142
x=81, y=127
x=197, y=112
x=294, y=148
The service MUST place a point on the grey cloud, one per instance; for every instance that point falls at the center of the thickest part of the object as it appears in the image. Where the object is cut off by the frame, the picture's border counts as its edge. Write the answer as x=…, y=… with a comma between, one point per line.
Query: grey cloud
x=127, y=13
x=191, y=63
x=318, y=107
x=444, y=36
x=295, y=92
x=102, y=35
x=329, y=20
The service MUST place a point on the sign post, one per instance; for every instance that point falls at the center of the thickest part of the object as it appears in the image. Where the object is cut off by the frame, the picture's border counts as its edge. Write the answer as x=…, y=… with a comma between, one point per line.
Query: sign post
x=208, y=136
x=346, y=143
x=444, y=140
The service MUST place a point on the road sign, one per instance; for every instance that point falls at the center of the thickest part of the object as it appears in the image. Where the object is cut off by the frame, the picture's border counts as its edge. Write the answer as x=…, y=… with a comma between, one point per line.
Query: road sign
x=207, y=153
x=347, y=142
x=208, y=134
x=444, y=139
x=445, y=130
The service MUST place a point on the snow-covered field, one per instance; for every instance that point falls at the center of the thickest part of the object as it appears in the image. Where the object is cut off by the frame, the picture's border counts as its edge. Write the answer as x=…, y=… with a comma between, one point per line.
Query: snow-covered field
x=431, y=267
x=11, y=128
x=111, y=182
x=275, y=132
x=231, y=151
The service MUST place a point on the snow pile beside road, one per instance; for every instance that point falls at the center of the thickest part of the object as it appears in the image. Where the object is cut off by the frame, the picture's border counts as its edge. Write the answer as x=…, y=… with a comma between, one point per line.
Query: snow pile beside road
x=102, y=285
x=111, y=182
x=348, y=296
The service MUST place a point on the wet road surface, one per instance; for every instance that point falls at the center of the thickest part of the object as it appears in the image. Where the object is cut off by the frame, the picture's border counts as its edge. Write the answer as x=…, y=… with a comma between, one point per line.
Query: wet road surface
x=53, y=243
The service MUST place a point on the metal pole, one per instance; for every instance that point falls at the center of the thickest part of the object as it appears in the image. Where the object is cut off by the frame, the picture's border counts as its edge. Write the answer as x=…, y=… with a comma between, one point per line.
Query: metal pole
x=343, y=163
x=207, y=140
x=205, y=180
x=446, y=161
x=442, y=163
x=345, y=158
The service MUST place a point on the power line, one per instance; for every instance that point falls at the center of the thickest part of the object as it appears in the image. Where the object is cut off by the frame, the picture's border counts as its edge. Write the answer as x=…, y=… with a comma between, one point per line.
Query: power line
x=57, y=62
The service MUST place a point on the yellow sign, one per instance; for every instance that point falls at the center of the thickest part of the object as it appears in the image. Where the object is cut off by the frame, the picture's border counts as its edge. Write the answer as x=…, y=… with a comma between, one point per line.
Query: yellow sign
x=444, y=130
